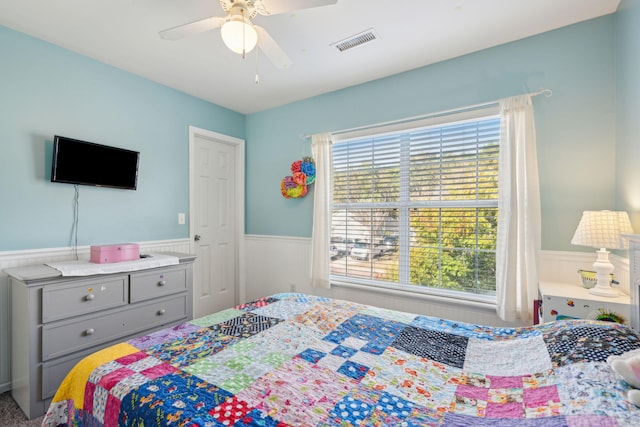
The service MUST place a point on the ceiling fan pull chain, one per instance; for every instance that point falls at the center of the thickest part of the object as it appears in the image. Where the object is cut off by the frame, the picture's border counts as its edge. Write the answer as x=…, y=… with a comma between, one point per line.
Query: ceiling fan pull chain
x=257, y=76
x=244, y=32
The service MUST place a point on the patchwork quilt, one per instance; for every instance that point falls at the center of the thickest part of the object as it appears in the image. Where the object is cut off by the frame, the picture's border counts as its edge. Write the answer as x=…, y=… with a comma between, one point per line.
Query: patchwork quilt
x=300, y=360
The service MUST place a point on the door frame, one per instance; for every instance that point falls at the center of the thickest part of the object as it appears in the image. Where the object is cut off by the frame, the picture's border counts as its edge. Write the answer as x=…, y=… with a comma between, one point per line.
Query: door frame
x=194, y=132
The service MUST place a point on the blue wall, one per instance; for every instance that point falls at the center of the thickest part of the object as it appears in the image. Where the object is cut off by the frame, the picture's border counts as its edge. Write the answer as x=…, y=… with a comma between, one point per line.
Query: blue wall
x=588, y=147
x=575, y=127
x=46, y=90
x=628, y=109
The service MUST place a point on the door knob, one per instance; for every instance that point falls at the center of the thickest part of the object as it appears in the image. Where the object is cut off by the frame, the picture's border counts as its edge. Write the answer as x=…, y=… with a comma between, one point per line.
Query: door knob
x=196, y=237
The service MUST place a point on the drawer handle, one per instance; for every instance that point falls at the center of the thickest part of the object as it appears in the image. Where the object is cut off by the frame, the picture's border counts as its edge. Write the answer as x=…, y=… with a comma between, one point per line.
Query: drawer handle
x=89, y=331
x=89, y=297
x=161, y=311
x=162, y=283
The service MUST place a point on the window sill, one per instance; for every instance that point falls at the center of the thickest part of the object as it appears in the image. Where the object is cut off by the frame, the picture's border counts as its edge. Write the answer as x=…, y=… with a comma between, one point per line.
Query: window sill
x=487, y=303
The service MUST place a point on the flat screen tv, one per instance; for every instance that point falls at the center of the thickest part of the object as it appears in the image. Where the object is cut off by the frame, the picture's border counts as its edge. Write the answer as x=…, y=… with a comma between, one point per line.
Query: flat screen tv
x=87, y=163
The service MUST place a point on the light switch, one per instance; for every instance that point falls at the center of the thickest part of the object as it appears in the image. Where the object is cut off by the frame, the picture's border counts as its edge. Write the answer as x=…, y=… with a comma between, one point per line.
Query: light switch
x=181, y=218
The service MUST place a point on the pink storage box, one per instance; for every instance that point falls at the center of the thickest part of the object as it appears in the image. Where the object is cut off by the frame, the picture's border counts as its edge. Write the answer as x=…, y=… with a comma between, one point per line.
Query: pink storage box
x=105, y=254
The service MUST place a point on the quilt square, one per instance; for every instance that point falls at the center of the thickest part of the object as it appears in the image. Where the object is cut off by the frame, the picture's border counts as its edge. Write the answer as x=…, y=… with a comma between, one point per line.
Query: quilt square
x=162, y=336
x=505, y=397
x=188, y=349
x=415, y=379
x=237, y=382
x=385, y=410
x=585, y=388
x=227, y=372
x=469, y=406
x=592, y=420
x=338, y=358
x=353, y=342
x=592, y=343
x=178, y=396
x=344, y=351
x=353, y=370
x=470, y=330
x=508, y=357
x=331, y=362
x=504, y=409
x=542, y=396
x=394, y=406
x=262, y=302
x=108, y=381
x=396, y=316
x=325, y=318
x=215, y=318
x=286, y=338
x=128, y=384
x=265, y=352
x=246, y=325
x=439, y=346
x=378, y=333
x=282, y=309
x=256, y=418
x=422, y=417
x=303, y=298
x=471, y=392
x=112, y=408
x=462, y=420
x=230, y=411
x=132, y=358
x=349, y=412
x=311, y=355
x=298, y=393
x=157, y=371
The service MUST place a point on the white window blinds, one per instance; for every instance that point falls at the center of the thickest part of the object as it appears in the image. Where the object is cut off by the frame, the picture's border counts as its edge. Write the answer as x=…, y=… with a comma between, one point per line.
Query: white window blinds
x=418, y=208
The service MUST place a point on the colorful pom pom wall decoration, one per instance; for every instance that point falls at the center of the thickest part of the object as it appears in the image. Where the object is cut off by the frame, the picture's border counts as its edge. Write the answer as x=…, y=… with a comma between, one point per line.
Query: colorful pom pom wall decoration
x=303, y=174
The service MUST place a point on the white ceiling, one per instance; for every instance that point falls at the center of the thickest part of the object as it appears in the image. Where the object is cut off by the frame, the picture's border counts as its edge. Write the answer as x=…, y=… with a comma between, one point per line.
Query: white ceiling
x=412, y=33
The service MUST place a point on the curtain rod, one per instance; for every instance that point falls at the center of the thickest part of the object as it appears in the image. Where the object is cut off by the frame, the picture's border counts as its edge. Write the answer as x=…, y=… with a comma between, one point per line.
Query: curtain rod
x=546, y=92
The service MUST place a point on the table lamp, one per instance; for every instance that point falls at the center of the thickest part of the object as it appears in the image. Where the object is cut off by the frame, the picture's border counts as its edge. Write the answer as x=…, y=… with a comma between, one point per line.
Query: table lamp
x=602, y=230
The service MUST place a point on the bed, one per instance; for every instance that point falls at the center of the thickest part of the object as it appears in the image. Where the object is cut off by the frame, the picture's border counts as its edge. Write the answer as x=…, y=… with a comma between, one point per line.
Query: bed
x=301, y=360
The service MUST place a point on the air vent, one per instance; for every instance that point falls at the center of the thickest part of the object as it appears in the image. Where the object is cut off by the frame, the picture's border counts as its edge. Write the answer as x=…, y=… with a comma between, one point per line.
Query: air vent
x=356, y=40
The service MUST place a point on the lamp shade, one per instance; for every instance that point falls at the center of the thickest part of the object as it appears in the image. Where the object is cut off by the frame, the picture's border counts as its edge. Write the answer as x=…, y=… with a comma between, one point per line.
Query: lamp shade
x=239, y=35
x=602, y=229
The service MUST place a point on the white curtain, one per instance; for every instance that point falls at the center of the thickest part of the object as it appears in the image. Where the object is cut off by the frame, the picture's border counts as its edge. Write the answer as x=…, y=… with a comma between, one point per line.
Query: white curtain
x=518, y=245
x=321, y=150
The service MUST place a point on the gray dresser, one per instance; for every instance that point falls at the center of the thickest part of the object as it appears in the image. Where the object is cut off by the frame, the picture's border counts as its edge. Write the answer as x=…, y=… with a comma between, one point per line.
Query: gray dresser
x=56, y=320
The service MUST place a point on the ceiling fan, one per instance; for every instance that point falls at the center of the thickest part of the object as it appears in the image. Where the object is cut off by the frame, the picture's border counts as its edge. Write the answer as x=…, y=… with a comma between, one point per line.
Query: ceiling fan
x=238, y=32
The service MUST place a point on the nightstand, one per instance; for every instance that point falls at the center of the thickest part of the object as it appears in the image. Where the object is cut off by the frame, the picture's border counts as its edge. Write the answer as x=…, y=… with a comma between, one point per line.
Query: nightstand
x=573, y=301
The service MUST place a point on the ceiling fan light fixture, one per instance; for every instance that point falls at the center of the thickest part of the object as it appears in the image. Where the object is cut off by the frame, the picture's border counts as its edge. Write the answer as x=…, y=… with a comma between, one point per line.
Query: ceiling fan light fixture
x=239, y=35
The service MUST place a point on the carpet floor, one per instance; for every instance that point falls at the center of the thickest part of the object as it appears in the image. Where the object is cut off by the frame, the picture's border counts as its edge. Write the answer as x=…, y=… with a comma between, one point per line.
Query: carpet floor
x=12, y=416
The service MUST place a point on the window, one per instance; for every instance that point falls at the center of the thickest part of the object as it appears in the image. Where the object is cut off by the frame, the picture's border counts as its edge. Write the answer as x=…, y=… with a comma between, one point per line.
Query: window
x=416, y=209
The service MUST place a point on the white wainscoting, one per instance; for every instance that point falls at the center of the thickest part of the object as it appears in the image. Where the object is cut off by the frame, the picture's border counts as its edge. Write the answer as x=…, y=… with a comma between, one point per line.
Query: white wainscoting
x=281, y=264
x=10, y=259
x=556, y=266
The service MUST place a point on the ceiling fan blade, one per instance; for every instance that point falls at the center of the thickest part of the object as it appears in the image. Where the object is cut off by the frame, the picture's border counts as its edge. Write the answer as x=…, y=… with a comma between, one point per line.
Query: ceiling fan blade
x=271, y=49
x=273, y=7
x=191, y=28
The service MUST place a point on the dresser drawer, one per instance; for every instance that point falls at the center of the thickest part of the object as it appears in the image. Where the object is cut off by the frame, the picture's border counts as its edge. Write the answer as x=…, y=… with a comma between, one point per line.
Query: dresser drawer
x=54, y=372
x=83, y=297
x=66, y=337
x=150, y=285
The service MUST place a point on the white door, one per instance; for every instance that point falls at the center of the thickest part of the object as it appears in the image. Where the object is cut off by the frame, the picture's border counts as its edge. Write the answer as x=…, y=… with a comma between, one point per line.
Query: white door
x=216, y=218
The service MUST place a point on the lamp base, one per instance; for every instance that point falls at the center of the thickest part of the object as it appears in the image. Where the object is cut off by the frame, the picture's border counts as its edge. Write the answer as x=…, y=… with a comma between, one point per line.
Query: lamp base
x=604, y=292
x=603, y=268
